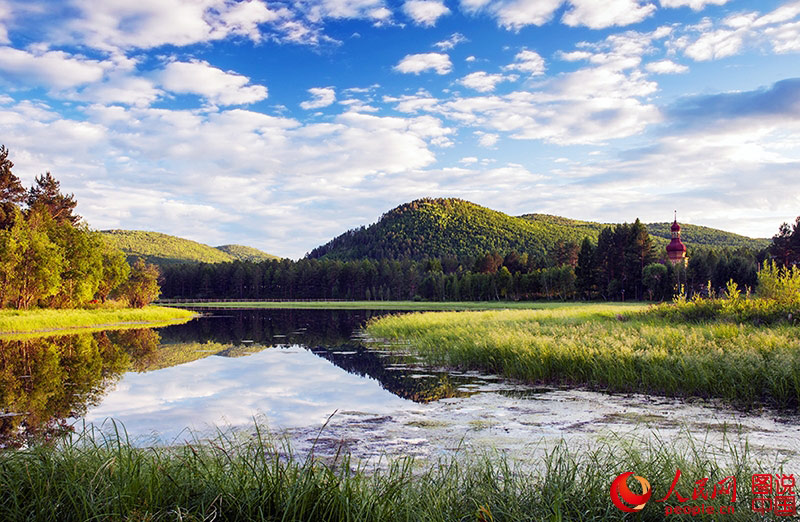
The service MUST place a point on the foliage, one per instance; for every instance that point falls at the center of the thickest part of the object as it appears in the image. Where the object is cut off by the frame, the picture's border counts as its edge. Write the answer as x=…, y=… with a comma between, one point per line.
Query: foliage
x=46, y=193
x=785, y=246
x=590, y=345
x=257, y=478
x=47, y=256
x=141, y=288
x=162, y=249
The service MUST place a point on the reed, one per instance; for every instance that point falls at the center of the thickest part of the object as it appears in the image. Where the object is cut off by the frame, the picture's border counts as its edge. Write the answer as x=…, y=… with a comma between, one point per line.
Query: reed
x=605, y=347
x=231, y=478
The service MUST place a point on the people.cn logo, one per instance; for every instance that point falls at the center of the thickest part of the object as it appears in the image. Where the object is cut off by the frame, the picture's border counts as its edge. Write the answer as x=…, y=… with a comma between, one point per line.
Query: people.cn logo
x=624, y=498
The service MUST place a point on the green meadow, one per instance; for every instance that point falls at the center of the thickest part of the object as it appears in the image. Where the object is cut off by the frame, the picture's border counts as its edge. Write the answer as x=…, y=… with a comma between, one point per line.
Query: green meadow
x=611, y=347
x=49, y=319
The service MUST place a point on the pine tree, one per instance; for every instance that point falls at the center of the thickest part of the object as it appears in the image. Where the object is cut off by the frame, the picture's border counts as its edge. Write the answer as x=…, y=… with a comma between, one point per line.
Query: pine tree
x=12, y=193
x=46, y=192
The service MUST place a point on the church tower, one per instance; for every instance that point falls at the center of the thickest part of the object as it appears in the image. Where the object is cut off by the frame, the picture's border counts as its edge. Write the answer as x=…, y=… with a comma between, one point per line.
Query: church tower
x=676, y=250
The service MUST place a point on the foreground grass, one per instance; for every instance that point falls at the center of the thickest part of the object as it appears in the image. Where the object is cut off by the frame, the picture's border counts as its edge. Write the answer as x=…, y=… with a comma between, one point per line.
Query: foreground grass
x=391, y=305
x=594, y=345
x=22, y=321
x=231, y=479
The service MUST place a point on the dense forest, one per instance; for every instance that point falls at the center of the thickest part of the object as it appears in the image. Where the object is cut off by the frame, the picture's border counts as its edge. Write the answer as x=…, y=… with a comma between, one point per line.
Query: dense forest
x=623, y=264
x=50, y=258
x=449, y=227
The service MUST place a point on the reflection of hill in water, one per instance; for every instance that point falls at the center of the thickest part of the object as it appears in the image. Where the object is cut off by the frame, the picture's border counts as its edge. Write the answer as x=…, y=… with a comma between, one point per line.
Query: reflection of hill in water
x=45, y=381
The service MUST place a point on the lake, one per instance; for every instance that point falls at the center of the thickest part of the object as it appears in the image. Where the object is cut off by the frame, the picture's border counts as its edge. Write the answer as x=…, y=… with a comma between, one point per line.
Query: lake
x=313, y=380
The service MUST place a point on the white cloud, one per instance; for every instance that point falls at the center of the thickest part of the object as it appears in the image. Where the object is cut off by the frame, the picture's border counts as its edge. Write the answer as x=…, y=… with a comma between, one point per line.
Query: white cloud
x=666, y=67
x=417, y=63
x=574, y=56
x=216, y=85
x=599, y=15
x=696, y=5
x=52, y=69
x=708, y=40
x=528, y=62
x=113, y=24
x=120, y=88
x=484, y=82
x=322, y=97
x=425, y=12
x=450, y=43
x=469, y=59
x=487, y=140
x=516, y=14
x=5, y=16
x=716, y=44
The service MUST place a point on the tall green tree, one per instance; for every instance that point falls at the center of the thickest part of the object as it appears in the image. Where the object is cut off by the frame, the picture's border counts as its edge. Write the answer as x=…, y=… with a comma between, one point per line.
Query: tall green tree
x=37, y=272
x=46, y=192
x=115, y=271
x=141, y=288
x=12, y=193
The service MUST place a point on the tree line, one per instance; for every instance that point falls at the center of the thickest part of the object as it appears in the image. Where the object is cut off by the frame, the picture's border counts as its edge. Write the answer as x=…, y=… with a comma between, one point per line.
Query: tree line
x=50, y=258
x=623, y=264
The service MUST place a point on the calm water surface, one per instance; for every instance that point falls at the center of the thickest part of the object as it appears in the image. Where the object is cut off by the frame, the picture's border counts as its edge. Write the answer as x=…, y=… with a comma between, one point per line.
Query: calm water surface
x=296, y=370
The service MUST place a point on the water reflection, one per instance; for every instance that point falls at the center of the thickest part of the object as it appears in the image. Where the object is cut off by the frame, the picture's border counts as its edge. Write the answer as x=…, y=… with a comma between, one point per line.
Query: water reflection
x=44, y=381
x=164, y=381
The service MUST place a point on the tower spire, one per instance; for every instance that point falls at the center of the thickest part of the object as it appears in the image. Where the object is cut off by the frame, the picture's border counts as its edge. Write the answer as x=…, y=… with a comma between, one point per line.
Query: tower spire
x=676, y=215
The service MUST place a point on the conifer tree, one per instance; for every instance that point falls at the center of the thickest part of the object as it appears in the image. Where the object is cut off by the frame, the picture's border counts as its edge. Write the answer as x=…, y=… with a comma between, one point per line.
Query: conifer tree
x=46, y=192
x=12, y=193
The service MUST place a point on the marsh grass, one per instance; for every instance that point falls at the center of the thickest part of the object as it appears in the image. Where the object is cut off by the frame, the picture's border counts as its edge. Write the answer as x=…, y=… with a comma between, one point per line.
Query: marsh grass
x=606, y=347
x=95, y=477
x=39, y=320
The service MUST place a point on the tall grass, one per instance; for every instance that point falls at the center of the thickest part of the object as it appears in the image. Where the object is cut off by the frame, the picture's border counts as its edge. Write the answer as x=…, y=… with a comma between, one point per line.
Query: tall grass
x=231, y=478
x=21, y=321
x=602, y=347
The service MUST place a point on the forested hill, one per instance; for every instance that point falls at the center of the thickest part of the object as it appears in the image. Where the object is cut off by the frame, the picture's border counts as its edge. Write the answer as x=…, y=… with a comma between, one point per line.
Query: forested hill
x=246, y=253
x=453, y=227
x=163, y=249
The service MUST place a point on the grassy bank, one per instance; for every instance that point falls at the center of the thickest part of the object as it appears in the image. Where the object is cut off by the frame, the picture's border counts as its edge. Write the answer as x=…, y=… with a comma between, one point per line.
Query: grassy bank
x=388, y=305
x=234, y=480
x=594, y=345
x=24, y=321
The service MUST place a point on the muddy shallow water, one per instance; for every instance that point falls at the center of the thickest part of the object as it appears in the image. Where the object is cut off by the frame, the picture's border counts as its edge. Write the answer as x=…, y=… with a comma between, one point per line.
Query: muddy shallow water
x=295, y=371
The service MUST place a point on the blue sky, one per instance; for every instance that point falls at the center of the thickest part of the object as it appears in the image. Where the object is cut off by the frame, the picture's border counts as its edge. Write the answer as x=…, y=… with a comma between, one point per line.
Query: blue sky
x=281, y=124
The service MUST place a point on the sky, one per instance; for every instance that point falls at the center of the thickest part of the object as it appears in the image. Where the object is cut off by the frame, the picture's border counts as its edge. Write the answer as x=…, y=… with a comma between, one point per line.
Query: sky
x=280, y=125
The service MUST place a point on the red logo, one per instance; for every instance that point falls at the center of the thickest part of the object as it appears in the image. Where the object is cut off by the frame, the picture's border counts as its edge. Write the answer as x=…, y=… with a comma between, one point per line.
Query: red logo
x=621, y=494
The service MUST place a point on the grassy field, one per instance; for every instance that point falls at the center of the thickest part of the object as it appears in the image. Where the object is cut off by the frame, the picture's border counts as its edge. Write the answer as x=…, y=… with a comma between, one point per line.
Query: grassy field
x=42, y=320
x=611, y=347
x=232, y=479
x=393, y=305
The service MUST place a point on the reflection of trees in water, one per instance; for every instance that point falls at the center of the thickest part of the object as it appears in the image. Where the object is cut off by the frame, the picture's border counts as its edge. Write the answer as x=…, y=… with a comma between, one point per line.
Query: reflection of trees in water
x=408, y=382
x=44, y=381
x=326, y=333
x=304, y=327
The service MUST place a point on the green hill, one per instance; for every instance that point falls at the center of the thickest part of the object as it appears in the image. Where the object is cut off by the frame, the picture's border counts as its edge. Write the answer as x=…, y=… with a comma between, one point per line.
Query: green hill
x=246, y=253
x=163, y=249
x=454, y=227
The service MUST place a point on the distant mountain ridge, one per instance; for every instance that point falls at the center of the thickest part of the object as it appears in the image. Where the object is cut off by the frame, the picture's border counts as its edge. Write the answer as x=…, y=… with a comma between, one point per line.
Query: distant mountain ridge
x=444, y=227
x=164, y=249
